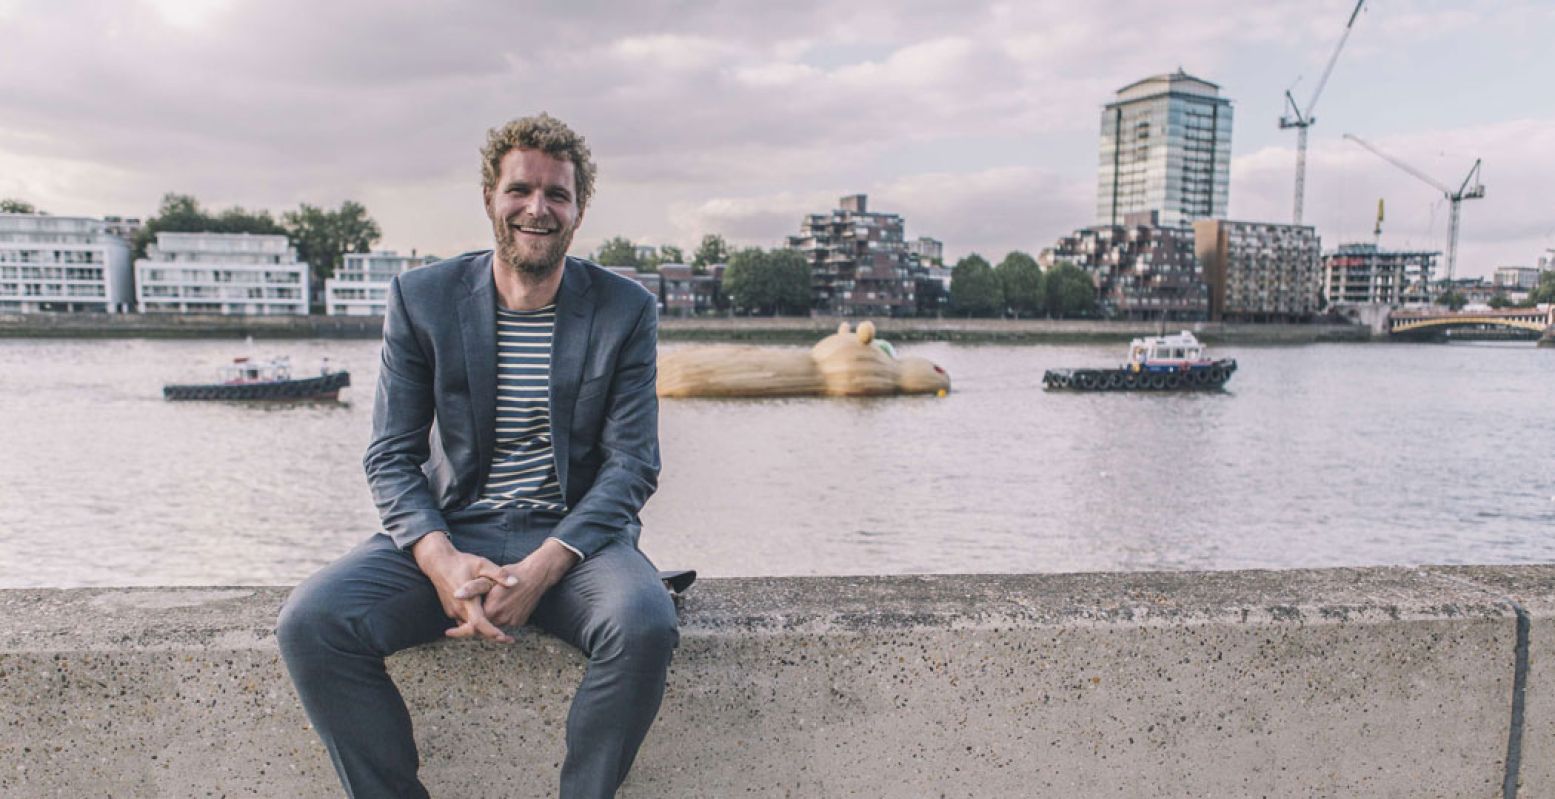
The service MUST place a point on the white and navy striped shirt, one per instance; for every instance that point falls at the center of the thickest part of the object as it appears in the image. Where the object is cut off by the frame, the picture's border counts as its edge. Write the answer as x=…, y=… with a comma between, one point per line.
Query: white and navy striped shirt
x=523, y=469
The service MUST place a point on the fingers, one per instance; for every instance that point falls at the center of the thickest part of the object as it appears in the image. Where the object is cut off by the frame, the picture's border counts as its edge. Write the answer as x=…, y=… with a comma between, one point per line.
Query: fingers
x=475, y=623
x=496, y=574
x=488, y=575
x=474, y=588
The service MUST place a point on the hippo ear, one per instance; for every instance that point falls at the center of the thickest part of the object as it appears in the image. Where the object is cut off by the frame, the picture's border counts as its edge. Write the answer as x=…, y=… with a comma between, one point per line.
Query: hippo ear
x=866, y=332
x=843, y=329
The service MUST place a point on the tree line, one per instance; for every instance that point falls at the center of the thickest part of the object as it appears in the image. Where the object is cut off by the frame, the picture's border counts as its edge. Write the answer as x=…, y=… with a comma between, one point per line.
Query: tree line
x=1018, y=287
x=621, y=251
x=321, y=236
x=778, y=281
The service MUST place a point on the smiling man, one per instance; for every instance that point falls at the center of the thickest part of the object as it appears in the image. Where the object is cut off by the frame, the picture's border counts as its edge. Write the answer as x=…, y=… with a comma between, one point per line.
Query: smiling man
x=515, y=440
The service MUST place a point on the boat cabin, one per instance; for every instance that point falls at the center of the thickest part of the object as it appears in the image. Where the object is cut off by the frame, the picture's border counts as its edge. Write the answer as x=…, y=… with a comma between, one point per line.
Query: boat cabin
x=1181, y=348
x=244, y=370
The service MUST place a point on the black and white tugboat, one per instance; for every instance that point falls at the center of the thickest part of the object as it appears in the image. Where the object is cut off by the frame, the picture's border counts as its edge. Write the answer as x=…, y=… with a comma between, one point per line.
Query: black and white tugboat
x=1159, y=363
x=246, y=379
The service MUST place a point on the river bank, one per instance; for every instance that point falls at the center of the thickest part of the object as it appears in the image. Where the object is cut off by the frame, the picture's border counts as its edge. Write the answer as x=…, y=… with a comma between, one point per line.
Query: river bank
x=795, y=330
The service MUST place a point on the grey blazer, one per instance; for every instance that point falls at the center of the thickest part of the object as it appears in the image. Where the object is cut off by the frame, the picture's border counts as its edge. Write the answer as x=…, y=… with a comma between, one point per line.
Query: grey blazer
x=434, y=416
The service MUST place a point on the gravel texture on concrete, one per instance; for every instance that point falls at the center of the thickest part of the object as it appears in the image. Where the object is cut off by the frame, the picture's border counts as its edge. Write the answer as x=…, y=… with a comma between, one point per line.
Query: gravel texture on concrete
x=1342, y=682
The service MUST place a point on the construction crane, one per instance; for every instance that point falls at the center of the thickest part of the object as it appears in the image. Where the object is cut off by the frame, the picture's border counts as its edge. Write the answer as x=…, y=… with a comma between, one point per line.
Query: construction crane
x=1303, y=119
x=1470, y=189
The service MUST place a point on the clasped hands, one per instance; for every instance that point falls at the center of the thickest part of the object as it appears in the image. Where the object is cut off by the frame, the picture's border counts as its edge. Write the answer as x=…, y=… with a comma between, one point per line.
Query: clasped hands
x=482, y=596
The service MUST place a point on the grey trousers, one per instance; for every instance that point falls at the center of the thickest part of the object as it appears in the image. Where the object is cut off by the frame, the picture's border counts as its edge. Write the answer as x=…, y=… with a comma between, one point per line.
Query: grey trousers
x=337, y=627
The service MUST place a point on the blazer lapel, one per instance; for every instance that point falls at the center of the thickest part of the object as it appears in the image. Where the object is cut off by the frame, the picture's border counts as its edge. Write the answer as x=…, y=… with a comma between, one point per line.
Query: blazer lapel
x=478, y=325
x=569, y=350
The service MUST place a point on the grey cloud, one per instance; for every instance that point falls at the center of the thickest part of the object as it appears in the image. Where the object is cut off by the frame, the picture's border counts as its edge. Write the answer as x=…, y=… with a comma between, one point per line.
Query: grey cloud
x=290, y=100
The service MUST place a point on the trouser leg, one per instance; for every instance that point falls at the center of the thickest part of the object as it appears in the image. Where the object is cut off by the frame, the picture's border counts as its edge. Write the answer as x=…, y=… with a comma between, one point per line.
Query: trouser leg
x=335, y=630
x=612, y=607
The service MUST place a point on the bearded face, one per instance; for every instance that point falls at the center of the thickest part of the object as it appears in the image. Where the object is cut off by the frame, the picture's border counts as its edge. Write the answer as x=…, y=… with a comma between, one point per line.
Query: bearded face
x=534, y=211
x=529, y=244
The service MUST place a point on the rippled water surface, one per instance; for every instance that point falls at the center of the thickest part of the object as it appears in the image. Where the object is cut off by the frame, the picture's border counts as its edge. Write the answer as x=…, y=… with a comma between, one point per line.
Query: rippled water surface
x=1342, y=454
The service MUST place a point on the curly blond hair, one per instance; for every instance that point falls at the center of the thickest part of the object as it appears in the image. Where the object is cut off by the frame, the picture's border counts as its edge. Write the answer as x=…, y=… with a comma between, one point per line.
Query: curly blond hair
x=547, y=134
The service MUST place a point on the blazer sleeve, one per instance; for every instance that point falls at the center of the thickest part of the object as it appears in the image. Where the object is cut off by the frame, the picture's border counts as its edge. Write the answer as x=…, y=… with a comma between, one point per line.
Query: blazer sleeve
x=403, y=410
x=629, y=473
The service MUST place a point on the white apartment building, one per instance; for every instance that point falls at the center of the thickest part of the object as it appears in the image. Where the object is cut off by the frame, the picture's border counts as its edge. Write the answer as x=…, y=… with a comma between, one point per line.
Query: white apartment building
x=62, y=263
x=1516, y=278
x=221, y=273
x=360, y=286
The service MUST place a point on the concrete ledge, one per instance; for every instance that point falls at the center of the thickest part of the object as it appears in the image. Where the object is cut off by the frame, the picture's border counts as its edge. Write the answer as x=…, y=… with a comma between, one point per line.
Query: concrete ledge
x=1346, y=682
x=796, y=330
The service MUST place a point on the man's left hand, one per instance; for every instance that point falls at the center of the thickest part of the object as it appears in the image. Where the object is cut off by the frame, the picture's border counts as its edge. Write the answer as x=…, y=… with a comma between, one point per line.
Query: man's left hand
x=511, y=606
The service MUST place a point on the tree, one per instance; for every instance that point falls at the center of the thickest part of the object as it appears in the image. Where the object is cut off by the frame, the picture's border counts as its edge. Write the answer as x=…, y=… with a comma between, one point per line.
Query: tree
x=1499, y=299
x=237, y=220
x=666, y=254
x=322, y=238
x=1070, y=291
x=618, y=251
x=182, y=213
x=974, y=288
x=1453, y=299
x=13, y=206
x=712, y=250
x=670, y=254
x=1545, y=291
x=1021, y=279
x=764, y=282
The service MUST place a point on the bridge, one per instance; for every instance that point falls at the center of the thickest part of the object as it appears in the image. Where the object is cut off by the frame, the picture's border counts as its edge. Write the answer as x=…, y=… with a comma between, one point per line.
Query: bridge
x=1533, y=320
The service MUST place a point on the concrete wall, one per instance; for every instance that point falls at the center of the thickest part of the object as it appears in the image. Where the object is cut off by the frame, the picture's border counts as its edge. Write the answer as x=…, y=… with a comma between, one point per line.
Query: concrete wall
x=1346, y=682
x=783, y=329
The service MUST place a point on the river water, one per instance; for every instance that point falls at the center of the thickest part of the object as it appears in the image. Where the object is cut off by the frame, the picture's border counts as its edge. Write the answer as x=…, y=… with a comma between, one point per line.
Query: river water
x=1316, y=455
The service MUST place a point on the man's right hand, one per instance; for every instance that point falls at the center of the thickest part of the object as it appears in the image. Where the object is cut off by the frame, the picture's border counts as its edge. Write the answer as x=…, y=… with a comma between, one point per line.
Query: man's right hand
x=449, y=570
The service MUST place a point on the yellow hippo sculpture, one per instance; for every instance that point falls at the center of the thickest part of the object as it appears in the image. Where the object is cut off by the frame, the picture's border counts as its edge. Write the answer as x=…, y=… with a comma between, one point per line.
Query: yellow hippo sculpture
x=847, y=363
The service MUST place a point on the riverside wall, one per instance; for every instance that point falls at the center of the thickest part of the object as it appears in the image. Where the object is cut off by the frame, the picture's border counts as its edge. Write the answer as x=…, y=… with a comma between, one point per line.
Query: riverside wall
x=1385, y=682
x=745, y=329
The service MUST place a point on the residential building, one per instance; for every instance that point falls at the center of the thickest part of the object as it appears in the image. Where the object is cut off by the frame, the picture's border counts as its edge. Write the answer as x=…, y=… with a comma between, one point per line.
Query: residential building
x=1517, y=278
x=648, y=280
x=1362, y=274
x=62, y=263
x=859, y=261
x=931, y=285
x=686, y=293
x=360, y=286
x=221, y=273
x=929, y=251
x=125, y=227
x=1259, y=271
x=1165, y=147
x=1141, y=269
x=1476, y=292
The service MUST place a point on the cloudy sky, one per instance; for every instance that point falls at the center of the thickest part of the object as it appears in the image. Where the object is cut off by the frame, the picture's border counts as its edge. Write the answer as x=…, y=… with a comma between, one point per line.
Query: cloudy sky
x=978, y=122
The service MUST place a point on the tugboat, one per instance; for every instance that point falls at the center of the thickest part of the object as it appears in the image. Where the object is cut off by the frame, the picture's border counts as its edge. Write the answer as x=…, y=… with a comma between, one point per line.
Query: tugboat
x=1159, y=363
x=270, y=381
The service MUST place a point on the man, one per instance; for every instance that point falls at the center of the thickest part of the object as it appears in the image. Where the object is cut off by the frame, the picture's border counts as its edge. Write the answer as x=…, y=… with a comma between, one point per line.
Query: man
x=515, y=439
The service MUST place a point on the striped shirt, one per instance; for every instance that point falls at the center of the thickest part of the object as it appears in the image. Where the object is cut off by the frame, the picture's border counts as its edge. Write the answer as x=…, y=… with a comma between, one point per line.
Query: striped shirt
x=523, y=469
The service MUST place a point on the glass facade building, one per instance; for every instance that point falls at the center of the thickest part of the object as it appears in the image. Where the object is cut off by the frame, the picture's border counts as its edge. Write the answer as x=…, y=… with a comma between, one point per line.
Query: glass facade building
x=1165, y=147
